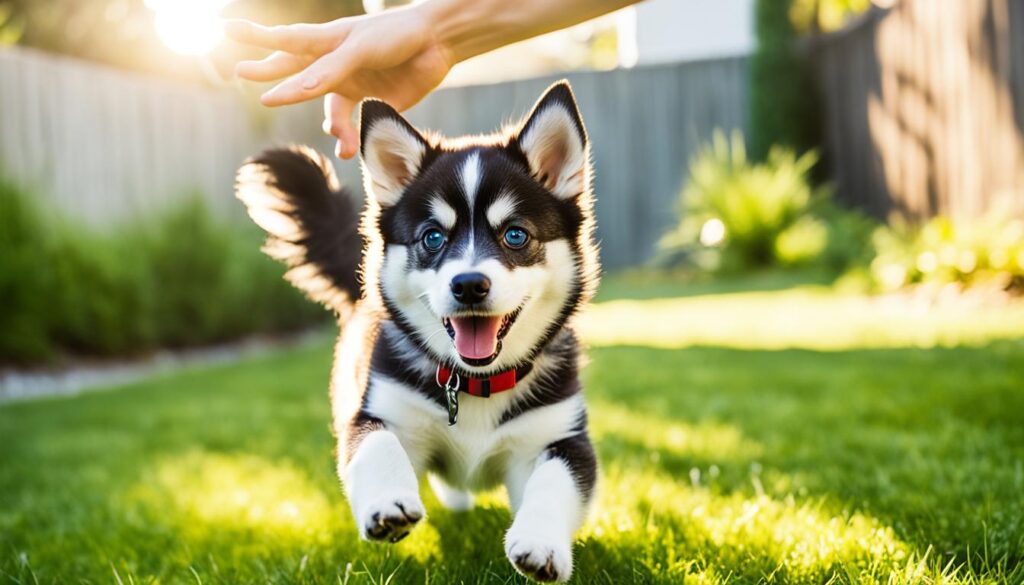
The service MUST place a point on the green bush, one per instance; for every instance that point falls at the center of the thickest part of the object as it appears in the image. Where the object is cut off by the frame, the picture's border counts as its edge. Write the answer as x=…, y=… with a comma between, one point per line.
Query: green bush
x=99, y=299
x=739, y=215
x=987, y=250
x=24, y=248
x=185, y=277
x=849, y=237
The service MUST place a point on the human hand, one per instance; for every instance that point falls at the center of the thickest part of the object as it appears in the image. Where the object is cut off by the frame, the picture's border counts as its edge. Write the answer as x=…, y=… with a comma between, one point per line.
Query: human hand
x=393, y=56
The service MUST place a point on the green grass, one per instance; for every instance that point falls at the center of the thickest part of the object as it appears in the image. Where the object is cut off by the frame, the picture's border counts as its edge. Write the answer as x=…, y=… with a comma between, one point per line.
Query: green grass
x=847, y=442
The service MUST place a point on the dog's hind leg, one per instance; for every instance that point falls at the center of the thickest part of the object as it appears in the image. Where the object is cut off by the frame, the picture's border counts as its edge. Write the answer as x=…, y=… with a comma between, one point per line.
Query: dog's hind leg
x=451, y=498
x=380, y=483
x=550, y=503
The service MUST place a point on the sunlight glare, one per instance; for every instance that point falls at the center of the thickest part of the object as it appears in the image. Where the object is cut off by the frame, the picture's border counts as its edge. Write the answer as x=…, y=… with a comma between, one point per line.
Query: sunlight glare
x=713, y=232
x=804, y=539
x=241, y=492
x=706, y=440
x=805, y=317
x=189, y=27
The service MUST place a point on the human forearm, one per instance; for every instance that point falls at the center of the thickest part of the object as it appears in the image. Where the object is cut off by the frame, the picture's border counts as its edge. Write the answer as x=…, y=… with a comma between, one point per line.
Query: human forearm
x=397, y=55
x=467, y=28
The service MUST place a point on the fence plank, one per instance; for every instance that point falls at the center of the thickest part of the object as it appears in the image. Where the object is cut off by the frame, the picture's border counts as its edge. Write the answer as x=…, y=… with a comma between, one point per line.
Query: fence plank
x=924, y=103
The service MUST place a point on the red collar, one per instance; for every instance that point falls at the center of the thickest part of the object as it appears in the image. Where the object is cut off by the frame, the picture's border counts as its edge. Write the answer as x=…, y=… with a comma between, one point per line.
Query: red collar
x=483, y=387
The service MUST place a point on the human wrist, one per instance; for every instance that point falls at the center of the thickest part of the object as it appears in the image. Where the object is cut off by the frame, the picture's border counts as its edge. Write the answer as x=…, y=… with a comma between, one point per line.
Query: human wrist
x=467, y=28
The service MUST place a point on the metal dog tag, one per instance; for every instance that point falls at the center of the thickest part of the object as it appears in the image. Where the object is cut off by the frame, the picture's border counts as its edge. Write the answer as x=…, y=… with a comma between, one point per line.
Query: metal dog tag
x=451, y=394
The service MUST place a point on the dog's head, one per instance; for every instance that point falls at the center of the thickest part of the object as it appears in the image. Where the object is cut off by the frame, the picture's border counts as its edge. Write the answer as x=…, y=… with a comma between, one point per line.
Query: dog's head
x=483, y=245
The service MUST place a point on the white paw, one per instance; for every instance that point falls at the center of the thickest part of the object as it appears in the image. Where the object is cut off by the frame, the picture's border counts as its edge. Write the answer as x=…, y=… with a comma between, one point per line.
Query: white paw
x=544, y=558
x=391, y=516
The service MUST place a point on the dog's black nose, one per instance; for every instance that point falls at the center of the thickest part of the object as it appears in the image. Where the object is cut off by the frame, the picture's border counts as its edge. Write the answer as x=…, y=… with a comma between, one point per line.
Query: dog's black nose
x=470, y=287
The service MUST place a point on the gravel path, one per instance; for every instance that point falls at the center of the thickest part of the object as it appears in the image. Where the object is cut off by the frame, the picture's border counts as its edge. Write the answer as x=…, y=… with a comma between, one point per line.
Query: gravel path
x=17, y=385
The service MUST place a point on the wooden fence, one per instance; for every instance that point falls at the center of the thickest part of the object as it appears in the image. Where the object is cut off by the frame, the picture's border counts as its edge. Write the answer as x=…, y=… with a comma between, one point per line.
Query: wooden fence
x=103, y=144
x=925, y=107
x=644, y=123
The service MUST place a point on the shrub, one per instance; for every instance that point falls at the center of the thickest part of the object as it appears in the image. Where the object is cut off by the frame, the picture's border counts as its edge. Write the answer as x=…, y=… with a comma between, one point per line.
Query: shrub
x=190, y=249
x=24, y=247
x=184, y=277
x=100, y=299
x=987, y=250
x=849, y=237
x=738, y=215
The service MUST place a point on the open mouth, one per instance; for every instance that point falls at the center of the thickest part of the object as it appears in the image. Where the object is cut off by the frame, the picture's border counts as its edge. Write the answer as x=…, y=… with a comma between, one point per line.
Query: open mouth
x=478, y=337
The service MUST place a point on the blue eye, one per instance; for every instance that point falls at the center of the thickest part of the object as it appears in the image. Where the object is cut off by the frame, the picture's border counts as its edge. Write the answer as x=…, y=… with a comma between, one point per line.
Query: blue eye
x=433, y=239
x=516, y=237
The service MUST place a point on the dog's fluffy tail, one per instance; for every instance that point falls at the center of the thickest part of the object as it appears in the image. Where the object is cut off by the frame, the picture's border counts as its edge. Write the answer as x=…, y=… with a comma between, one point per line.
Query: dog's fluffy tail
x=311, y=222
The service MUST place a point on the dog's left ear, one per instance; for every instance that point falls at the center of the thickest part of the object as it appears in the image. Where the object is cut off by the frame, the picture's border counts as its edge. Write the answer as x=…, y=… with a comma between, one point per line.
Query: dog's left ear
x=393, y=150
x=554, y=141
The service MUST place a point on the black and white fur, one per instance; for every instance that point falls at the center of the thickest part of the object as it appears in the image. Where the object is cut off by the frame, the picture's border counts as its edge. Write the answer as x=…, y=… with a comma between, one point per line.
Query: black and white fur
x=389, y=413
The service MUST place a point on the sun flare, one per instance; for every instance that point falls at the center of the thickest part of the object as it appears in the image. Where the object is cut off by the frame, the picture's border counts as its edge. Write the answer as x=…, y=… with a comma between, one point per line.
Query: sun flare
x=189, y=27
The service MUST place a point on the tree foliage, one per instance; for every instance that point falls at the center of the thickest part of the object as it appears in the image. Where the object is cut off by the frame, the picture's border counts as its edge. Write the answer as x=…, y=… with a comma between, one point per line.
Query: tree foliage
x=825, y=15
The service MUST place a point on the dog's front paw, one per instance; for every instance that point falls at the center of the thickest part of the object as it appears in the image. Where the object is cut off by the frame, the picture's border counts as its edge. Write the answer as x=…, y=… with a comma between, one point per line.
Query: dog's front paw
x=391, y=517
x=540, y=557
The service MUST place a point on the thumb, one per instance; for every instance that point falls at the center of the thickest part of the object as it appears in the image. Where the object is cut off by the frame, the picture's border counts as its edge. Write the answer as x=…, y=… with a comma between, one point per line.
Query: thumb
x=338, y=123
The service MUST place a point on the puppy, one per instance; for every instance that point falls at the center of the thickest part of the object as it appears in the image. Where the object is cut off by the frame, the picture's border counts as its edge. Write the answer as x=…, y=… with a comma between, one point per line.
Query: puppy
x=456, y=359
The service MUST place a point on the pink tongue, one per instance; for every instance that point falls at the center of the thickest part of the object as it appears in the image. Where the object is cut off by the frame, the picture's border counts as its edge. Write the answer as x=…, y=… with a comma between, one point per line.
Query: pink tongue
x=476, y=337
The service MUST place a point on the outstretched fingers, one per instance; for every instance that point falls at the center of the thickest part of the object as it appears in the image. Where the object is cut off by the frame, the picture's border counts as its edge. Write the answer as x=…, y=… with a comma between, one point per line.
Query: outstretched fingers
x=277, y=65
x=292, y=38
x=325, y=75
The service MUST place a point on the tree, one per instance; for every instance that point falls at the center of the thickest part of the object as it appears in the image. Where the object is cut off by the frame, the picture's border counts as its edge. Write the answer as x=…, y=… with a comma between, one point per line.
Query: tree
x=811, y=16
x=783, y=97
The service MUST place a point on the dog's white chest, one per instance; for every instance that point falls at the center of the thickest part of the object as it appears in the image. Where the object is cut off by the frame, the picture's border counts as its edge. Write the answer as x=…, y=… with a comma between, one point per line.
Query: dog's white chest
x=474, y=452
x=480, y=449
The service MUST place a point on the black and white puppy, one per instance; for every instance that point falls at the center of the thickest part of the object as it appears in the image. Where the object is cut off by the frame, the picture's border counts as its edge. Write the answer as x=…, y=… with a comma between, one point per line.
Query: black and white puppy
x=456, y=359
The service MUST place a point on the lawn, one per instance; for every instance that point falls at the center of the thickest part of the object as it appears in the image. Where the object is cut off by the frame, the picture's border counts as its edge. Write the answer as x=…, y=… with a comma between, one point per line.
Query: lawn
x=783, y=435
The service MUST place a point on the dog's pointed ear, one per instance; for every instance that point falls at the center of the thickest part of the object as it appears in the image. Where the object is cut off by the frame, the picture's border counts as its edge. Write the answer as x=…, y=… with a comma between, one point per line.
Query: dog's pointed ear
x=554, y=141
x=393, y=151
